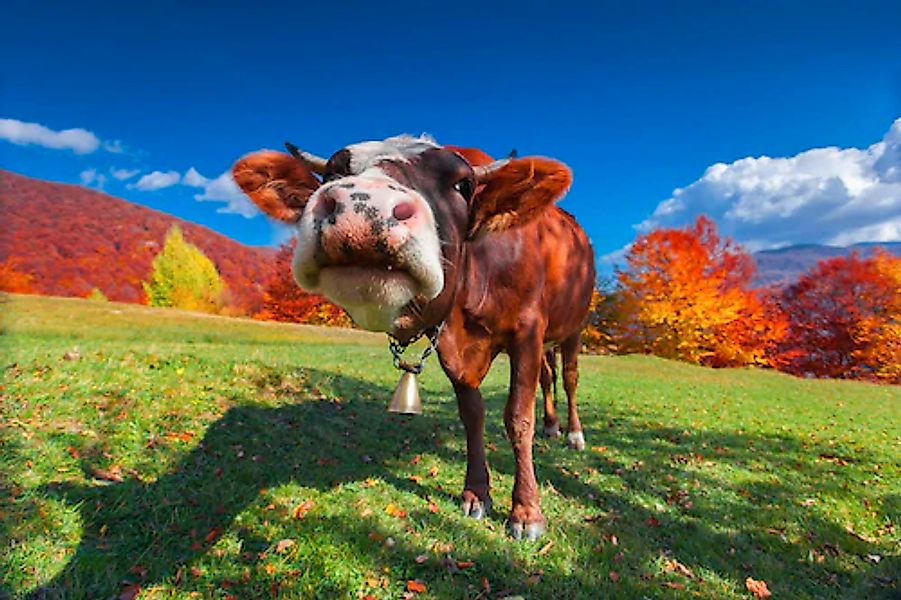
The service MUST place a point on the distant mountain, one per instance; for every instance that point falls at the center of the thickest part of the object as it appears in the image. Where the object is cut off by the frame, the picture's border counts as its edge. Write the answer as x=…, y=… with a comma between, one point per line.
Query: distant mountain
x=71, y=240
x=783, y=266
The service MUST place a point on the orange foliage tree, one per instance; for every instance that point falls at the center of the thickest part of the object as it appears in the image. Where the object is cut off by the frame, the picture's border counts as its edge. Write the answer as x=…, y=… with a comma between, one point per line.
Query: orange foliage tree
x=845, y=319
x=283, y=300
x=685, y=294
x=13, y=280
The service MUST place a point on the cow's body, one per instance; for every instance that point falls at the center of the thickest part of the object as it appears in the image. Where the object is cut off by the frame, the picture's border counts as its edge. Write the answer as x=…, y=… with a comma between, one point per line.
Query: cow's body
x=407, y=234
x=519, y=290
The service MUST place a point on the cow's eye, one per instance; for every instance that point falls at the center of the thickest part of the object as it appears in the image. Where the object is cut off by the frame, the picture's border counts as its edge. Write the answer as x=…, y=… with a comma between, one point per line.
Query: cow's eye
x=465, y=188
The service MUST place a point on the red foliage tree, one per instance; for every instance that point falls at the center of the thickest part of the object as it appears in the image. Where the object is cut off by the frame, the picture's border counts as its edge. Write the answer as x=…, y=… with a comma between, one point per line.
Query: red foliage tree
x=284, y=300
x=13, y=280
x=845, y=319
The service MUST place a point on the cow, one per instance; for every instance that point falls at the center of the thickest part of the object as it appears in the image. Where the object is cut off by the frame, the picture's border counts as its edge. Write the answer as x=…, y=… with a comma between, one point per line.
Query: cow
x=408, y=236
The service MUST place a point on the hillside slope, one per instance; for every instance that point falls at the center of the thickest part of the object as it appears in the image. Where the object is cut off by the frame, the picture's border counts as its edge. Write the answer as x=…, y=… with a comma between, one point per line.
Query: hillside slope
x=70, y=239
x=783, y=266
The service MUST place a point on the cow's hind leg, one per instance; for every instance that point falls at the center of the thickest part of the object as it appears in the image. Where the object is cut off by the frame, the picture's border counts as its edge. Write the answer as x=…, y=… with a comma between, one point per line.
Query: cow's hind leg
x=466, y=372
x=526, y=520
x=549, y=393
x=569, y=350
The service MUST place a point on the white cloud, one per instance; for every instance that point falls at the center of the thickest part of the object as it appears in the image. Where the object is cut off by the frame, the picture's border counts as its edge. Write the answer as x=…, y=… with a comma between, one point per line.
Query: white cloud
x=824, y=195
x=80, y=141
x=221, y=189
x=194, y=179
x=123, y=174
x=88, y=176
x=157, y=180
x=114, y=146
x=92, y=177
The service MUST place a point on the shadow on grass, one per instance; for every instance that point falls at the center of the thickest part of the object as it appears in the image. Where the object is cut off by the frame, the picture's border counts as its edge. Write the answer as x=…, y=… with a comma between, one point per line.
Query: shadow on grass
x=149, y=531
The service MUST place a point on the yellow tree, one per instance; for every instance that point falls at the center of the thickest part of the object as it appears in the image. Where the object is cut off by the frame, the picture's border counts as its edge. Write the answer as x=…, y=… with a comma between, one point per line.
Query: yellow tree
x=183, y=277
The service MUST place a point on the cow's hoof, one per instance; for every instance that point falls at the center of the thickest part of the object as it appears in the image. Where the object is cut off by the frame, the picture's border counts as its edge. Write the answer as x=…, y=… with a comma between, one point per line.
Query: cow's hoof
x=474, y=507
x=576, y=440
x=552, y=431
x=528, y=531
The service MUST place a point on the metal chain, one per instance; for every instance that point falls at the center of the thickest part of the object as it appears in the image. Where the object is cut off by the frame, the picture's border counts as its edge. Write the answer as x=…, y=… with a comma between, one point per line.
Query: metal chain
x=397, y=349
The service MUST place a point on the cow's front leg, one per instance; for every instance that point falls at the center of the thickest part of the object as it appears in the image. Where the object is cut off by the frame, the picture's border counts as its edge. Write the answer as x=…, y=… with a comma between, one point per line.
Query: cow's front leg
x=526, y=519
x=466, y=361
x=476, y=501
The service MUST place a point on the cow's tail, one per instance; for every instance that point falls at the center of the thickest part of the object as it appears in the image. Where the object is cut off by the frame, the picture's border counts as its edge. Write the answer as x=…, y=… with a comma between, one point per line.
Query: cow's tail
x=551, y=358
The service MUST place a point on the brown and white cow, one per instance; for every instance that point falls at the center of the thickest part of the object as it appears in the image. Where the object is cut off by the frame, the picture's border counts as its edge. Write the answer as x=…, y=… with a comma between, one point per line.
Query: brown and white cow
x=406, y=234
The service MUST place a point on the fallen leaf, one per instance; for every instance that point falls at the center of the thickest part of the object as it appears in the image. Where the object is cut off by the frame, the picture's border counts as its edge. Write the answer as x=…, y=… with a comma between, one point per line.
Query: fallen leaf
x=674, y=585
x=415, y=460
x=614, y=576
x=674, y=566
x=415, y=586
x=433, y=471
x=465, y=564
x=269, y=568
x=546, y=548
x=757, y=587
x=283, y=545
x=375, y=536
x=114, y=473
x=652, y=522
x=130, y=591
x=433, y=508
x=421, y=559
x=395, y=511
x=485, y=585
x=415, y=478
x=214, y=533
x=301, y=510
x=874, y=558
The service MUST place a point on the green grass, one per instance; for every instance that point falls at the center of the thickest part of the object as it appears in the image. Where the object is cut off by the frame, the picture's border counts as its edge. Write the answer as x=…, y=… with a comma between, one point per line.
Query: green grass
x=220, y=428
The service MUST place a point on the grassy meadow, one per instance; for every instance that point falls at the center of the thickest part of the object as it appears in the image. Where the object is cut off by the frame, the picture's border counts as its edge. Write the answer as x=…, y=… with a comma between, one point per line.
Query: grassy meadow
x=165, y=454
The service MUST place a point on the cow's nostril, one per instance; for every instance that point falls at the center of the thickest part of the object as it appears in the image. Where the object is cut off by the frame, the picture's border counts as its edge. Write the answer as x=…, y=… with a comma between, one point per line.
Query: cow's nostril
x=327, y=206
x=403, y=211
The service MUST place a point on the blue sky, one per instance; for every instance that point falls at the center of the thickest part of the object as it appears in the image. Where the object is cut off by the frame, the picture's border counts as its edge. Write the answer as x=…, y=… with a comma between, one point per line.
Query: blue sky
x=640, y=99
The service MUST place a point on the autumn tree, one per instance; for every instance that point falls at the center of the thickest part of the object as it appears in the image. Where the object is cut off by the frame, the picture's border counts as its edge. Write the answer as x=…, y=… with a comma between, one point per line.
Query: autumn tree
x=597, y=336
x=845, y=319
x=183, y=277
x=284, y=300
x=13, y=279
x=685, y=294
x=97, y=295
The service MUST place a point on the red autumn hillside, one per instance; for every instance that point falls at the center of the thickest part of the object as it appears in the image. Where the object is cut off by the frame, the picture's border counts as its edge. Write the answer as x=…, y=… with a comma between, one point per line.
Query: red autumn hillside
x=65, y=240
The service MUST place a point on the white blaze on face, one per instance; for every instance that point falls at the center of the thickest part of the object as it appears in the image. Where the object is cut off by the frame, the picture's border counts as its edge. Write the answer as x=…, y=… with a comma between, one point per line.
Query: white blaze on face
x=381, y=262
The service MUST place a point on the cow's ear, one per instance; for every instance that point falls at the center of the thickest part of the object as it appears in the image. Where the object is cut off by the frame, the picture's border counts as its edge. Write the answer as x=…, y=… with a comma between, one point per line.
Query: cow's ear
x=278, y=183
x=517, y=193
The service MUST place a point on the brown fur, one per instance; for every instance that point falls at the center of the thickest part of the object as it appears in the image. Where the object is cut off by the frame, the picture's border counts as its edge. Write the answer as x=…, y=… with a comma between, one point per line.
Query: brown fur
x=276, y=182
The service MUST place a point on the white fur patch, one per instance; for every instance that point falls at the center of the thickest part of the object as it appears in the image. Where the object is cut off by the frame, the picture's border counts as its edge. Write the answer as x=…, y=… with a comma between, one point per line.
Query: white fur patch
x=401, y=147
x=576, y=440
x=375, y=297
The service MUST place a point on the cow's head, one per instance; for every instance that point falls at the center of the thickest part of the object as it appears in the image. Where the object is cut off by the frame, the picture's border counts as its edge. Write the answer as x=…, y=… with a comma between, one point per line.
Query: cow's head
x=381, y=225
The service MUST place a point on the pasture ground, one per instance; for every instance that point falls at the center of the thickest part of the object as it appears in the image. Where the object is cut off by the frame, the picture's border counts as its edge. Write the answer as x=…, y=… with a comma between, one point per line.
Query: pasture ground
x=192, y=456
